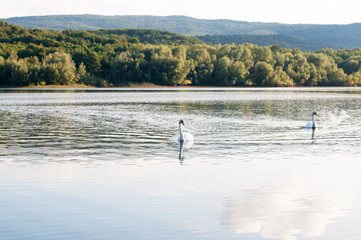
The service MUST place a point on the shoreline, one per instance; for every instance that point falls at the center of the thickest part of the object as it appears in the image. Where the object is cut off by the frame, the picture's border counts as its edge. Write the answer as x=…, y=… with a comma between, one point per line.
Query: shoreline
x=56, y=87
x=146, y=85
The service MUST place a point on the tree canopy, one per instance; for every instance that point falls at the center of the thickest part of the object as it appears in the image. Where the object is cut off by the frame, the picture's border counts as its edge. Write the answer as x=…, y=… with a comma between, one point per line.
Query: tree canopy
x=118, y=58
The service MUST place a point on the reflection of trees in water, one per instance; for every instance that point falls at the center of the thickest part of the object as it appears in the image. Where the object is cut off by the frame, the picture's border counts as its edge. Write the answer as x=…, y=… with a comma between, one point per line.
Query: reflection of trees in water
x=49, y=126
x=293, y=112
x=250, y=107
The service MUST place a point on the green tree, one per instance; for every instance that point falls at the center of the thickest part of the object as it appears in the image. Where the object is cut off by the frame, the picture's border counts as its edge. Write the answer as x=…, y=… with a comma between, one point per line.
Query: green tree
x=262, y=54
x=81, y=73
x=58, y=68
x=354, y=79
x=247, y=58
x=121, y=69
x=2, y=64
x=351, y=66
x=15, y=71
x=237, y=74
x=92, y=62
x=336, y=77
x=280, y=78
x=222, y=72
x=262, y=74
x=90, y=59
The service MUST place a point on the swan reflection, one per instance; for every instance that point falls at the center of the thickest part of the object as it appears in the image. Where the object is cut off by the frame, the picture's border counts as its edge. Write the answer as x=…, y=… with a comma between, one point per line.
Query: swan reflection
x=313, y=137
x=183, y=145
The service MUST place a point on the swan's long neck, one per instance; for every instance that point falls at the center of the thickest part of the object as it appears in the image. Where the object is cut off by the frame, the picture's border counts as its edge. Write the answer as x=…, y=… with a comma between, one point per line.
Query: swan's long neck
x=313, y=121
x=181, y=132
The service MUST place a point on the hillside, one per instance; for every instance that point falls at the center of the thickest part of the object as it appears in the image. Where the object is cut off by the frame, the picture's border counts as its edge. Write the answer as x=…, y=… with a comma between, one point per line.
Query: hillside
x=309, y=36
x=125, y=57
x=266, y=40
x=149, y=36
x=177, y=24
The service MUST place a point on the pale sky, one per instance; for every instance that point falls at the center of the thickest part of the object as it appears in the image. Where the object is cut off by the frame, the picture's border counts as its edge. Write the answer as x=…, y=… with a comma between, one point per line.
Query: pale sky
x=282, y=11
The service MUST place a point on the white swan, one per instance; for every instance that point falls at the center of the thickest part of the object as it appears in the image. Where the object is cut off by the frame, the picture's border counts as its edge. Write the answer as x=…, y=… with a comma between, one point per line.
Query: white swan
x=312, y=124
x=184, y=136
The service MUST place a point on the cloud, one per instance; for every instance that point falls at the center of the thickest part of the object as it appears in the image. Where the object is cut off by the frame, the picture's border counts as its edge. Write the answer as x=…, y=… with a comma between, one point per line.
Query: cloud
x=292, y=207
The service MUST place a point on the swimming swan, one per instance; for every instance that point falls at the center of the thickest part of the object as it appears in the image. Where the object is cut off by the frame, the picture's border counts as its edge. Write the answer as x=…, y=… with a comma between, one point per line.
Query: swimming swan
x=184, y=136
x=312, y=124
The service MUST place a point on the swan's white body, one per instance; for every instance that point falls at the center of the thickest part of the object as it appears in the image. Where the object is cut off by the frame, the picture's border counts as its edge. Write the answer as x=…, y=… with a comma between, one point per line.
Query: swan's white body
x=184, y=136
x=312, y=124
x=185, y=140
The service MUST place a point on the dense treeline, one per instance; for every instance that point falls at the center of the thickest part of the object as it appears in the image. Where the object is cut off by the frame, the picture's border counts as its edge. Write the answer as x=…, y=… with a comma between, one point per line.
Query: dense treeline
x=150, y=36
x=41, y=57
x=267, y=40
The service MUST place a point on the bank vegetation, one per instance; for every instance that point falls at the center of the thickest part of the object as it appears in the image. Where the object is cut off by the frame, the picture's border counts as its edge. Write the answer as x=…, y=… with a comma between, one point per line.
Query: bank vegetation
x=33, y=57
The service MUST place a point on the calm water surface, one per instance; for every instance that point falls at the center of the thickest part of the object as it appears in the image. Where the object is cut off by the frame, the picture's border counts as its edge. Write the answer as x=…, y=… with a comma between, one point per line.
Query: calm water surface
x=105, y=164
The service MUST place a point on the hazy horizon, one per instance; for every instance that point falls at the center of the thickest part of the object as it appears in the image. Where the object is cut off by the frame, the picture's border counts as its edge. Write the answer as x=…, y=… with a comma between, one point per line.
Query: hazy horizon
x=115, y=15
x=278, y=11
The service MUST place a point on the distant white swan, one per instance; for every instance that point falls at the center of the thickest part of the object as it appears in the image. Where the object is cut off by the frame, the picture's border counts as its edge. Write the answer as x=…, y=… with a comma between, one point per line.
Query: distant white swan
x=184, y=136
x=312, y=124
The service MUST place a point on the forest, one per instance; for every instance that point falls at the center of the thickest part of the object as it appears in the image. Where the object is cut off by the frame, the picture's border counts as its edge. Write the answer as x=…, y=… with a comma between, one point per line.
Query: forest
x=307, y=37
x=34, y=57
x=267, y=40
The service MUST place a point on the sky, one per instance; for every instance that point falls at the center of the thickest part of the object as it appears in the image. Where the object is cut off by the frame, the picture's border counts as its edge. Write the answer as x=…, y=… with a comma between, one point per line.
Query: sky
x=281, y=11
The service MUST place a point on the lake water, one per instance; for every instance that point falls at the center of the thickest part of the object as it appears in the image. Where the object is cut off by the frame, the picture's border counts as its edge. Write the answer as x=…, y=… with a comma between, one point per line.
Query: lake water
x=105, y=164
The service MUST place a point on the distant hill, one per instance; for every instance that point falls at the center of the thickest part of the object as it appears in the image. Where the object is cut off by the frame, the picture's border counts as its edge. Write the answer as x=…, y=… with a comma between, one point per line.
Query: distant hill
x=177, y=24
x=308, y=36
